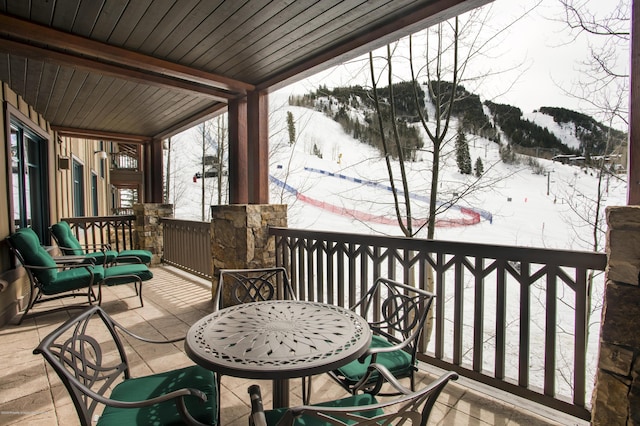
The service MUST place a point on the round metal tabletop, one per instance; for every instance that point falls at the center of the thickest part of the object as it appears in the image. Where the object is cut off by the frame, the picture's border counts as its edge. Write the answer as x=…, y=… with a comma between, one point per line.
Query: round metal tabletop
x=277, y=339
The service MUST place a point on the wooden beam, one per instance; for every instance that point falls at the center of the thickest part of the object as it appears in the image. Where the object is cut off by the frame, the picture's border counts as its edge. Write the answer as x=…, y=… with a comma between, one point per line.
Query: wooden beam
x=258, y=146
x=238, y=152
x=90, y=65
x=100, y=135
x=633, y=166
x=75, y=45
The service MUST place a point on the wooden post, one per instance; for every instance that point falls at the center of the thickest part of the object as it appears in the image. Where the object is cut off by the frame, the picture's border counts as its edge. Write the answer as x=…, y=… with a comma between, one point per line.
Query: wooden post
x=238, y=157
x=633, y=166
x=258, y=144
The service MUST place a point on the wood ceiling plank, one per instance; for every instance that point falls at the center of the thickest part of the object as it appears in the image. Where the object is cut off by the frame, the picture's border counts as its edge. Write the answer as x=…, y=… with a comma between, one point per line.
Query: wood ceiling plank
x=73, y=96
x=135, y=109
x=217, y=23
x=128, y=21
x=18, y=8
x=167, y=27
x=42, y=11
x=81, y=108
x=151, y=19
x=34, y=73
x=108, y=19
x=269, y=33
x=185, y=27
x=287, y=35
x=110, y=88
x=188, y=122
x=86, y=18
x=215, y=42
x=18, y=74
x=60, y=87
x=45, y=89
x=335, y=23
x=65, y=14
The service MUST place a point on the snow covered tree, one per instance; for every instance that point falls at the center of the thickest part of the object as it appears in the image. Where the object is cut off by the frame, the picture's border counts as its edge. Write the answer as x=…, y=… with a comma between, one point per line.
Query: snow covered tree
x=479, y=167
x=463, y=158
x=291, y=126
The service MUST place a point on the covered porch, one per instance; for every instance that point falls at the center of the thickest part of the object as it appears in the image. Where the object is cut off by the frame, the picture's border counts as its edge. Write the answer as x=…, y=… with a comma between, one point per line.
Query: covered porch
x=33, y=394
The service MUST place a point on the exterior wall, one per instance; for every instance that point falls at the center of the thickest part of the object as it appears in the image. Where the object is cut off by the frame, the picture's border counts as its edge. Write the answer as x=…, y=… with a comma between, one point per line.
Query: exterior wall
x=13, y=294
x=14, y=287
x=616, y=398
x=83, y=151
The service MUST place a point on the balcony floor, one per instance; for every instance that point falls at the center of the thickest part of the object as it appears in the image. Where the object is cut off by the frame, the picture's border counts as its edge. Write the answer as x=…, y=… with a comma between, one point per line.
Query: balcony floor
x=31, y=393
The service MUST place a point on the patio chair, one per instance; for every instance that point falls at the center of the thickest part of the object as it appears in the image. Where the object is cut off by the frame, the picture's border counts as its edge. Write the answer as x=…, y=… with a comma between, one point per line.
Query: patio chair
x=50, y=280
x=88, y=355
x=237, y=286
x=396, y=314
x=358, y=409
x=101, y=253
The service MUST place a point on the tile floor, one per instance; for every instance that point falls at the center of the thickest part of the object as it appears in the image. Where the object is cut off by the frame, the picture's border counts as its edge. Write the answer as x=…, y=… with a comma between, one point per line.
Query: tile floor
x=31, y=393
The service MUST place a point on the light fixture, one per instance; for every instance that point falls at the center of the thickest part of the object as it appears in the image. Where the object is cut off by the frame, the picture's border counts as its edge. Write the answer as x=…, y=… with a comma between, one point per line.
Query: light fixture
x=102, y=155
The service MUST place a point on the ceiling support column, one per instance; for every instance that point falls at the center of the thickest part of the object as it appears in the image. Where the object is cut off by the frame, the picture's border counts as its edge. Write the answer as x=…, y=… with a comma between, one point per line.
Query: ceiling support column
x=633, y=163
x=258, y=144
x=153, y=172
x=238, y=157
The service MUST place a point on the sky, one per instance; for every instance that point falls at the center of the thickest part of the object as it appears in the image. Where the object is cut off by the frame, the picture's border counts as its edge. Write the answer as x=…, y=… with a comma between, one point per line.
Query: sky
x=533, y=62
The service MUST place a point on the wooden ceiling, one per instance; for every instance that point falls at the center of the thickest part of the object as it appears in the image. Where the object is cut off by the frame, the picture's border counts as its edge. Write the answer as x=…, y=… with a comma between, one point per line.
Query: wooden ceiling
x=142, y=69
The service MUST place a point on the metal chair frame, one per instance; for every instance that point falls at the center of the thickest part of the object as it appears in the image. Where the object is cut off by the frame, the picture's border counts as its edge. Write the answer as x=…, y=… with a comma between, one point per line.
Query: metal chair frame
x=397, y=312
x=36, y=293
x=409, y=408
x=87, y=374
x=253, y=285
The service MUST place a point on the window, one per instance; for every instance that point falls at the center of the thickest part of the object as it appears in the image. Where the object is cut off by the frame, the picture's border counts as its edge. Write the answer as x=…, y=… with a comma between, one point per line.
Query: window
x=94, y=193
x=78, y=188
x=29, y=197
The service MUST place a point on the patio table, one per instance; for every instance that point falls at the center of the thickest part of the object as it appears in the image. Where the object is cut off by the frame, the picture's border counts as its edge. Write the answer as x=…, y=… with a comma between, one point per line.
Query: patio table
x=277, y=340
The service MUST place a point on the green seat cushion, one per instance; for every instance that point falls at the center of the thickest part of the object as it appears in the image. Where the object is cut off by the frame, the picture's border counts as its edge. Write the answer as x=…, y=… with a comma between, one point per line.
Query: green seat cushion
x=274, y=416
x=122, y=274
x=27, y=242
x=74, y=279
x=100, y=257
x=134, y=255
x=68, y=243
x=165, y=413
x=397, y=362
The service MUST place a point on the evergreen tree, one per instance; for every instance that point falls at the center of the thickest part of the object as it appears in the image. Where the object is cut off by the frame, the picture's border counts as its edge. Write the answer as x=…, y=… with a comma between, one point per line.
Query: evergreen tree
x=292, y=128
x=479, y=167
x=463, y=158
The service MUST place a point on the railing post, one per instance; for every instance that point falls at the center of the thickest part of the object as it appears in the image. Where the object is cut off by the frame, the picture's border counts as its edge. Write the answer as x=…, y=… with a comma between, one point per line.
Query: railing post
x=148, y=228
x=240, y=236
x=616, y=398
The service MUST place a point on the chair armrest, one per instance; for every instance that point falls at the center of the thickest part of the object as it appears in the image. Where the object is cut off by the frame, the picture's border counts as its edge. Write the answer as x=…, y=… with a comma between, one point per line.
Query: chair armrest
x=62, y=266
x=257, y=417
x=383, y=375
x=124, y=330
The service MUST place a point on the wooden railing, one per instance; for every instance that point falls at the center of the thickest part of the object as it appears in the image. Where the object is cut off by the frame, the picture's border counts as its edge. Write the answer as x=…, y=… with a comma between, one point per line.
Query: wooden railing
x=514, y=318
x=117, y=231
x=187, y=245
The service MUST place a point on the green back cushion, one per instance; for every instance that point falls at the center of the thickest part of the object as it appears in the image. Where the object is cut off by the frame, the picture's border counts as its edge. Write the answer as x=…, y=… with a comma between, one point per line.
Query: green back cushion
x=274, y=416
x=165, y=413
x=64, y=236
x=397, y=362
x=28, y=244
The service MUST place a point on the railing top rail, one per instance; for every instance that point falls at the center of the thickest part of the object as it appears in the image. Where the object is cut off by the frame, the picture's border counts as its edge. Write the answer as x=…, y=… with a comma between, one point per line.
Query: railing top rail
x=570, y=258
x=87, y=219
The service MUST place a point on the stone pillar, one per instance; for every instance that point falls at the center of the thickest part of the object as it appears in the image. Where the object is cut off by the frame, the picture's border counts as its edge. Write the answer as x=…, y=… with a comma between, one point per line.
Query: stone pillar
x=240, y=236
x=616, y=397
x=148, y=229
